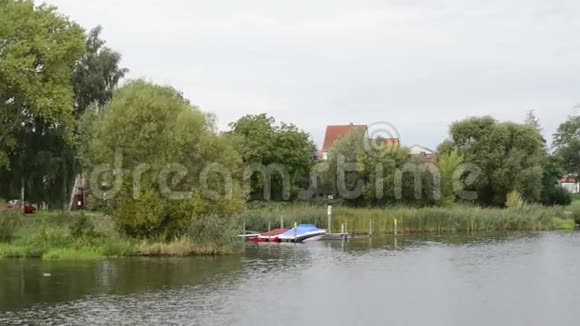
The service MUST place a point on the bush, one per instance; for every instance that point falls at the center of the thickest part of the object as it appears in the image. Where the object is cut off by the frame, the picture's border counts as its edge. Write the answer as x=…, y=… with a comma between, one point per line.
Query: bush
x=514, y=200
x=557, y=196
x=82, y=227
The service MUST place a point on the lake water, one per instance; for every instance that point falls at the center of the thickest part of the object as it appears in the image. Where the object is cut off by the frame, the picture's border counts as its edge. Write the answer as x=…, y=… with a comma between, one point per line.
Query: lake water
x=514, y=279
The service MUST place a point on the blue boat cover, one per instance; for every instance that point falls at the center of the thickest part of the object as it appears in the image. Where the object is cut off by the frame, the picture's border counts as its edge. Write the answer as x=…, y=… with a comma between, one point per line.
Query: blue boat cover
x=300, y=230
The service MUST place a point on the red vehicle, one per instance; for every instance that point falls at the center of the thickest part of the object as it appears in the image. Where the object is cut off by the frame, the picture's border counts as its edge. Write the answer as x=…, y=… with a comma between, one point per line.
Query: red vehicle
x=28, y=208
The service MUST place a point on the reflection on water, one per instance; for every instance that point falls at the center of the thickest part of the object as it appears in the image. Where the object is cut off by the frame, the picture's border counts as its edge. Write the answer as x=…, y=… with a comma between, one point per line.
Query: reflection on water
x=483, y=279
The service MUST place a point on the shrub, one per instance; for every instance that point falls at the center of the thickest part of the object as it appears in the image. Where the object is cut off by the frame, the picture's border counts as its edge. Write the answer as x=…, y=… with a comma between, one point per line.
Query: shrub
x=82, y=227
x=557, y=196
x=514, y=200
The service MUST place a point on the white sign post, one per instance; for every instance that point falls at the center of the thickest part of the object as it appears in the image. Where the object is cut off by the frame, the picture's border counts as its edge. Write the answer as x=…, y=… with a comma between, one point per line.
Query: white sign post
x=329, y=212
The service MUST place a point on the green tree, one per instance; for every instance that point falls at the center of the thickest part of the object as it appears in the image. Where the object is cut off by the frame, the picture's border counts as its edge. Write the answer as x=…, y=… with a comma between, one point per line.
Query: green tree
x=448, y=164
x=510, y=156
x=160, y=134
x=567, y=145
x=360, y=175
x=552, y=192
x=97, y=74
x=94, y=79
x=261, y=141
x=38, y=50
x=46, y=159
x=446, y=147
x=532, y=120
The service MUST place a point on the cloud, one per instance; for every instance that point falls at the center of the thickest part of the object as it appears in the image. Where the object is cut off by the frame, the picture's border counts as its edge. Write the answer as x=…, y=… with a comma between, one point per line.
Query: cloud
x=418, y=64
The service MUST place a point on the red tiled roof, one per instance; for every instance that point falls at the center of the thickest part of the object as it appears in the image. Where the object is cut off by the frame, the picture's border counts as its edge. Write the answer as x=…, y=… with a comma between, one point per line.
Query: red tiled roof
x=333, y=133
x=568, y=180
x=391, y=141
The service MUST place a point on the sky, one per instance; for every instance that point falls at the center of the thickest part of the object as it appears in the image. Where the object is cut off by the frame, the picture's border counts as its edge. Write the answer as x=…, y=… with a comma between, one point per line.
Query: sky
x=417, y=66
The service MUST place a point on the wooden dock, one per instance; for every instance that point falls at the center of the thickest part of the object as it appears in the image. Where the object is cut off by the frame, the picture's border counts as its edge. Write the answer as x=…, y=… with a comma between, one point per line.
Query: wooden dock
x=337, y=236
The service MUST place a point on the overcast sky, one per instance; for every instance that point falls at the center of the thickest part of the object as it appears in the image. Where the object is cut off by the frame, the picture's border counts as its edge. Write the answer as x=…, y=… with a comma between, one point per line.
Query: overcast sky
x=419, y=65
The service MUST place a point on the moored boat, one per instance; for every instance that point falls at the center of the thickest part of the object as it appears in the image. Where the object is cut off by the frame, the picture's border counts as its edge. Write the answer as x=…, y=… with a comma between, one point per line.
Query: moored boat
x=302, y=232
x=271, y=236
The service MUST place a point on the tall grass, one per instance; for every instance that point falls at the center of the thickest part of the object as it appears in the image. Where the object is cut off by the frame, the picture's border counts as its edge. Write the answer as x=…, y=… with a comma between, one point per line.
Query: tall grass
x=54, y=235
x=575, y=211
x=9, y=221
x=412, y=220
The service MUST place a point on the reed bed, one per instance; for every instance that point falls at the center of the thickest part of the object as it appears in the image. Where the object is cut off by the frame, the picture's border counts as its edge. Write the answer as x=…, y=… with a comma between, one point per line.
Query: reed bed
x=412, y=220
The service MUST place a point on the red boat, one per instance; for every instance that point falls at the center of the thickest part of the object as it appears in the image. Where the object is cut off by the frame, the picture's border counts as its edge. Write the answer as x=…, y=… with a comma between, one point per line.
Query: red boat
x=271, y=236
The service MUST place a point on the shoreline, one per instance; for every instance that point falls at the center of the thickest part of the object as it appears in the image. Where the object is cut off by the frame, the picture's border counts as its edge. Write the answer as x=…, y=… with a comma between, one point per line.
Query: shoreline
x=57, y=236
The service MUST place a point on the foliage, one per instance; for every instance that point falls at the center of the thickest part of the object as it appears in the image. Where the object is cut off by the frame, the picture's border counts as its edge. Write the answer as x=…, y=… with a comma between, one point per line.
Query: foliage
x=552, y=192
x=563, y=224
x=515, y=200
x=261, y=141
x=40, y=165
x=359, y=176
x=38, y=50
x=532, y=120
x=446, y=147
x=97, y=74
x=46, y=160
x=567, y=145
x=155, y=128
x=448, y=164
x=509, y=155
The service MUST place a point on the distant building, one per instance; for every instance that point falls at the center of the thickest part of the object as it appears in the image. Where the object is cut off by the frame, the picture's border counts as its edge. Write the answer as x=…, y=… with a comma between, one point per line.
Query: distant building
x=334, y=133
x=571, y=184
x=423, y=153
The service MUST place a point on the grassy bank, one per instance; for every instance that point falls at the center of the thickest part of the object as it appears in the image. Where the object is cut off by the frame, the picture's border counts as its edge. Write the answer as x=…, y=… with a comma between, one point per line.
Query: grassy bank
x=414, y=220
x=53, y=235
x=574, y=209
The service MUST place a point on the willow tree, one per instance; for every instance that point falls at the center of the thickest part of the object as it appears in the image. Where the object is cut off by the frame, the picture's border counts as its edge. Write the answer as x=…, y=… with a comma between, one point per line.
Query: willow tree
x=510, y=156
x=170, y=172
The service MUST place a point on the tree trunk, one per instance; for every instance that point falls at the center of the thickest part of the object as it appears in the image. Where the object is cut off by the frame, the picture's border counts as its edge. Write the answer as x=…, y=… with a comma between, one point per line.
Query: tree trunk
x=76, y=184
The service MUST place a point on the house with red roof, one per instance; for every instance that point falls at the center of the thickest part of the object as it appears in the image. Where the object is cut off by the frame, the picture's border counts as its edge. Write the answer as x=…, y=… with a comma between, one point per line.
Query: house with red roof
x=571, y=184
x=336, y=132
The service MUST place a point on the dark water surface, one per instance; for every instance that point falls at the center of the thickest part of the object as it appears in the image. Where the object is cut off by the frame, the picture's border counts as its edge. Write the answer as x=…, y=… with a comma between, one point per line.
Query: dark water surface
x=515, y=279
